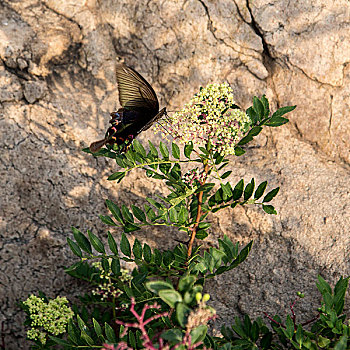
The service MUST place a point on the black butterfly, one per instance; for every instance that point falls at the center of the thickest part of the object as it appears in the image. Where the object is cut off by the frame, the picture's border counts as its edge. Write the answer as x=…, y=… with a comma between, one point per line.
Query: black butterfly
x=140, y=109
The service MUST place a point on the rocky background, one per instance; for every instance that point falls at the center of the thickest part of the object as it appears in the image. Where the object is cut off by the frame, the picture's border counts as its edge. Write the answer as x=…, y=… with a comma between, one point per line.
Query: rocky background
x=57, y=88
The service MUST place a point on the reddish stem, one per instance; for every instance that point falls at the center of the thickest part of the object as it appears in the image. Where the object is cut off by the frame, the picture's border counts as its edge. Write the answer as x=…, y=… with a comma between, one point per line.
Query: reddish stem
x=274, y=321
x=198, y=216
x=310, y=321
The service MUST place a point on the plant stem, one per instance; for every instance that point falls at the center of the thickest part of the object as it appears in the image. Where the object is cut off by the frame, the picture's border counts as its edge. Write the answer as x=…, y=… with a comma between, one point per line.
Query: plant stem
x=199, y=213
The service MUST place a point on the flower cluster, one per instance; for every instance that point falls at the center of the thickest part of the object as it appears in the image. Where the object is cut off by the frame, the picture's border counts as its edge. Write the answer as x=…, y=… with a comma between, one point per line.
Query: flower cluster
x=193, y=176
x=210, y=115
x=52, y=316
x=106, y=289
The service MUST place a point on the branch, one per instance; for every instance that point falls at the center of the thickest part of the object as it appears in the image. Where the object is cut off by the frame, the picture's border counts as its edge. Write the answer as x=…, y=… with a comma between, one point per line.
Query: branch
x=199, y=214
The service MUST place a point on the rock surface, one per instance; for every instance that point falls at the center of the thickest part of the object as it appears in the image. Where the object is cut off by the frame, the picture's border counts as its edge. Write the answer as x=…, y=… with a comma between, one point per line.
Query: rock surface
x=57, y=88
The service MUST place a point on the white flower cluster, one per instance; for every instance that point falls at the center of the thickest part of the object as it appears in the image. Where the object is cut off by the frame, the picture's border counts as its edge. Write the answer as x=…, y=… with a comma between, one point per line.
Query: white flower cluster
x=209, y=116
x=52, y=317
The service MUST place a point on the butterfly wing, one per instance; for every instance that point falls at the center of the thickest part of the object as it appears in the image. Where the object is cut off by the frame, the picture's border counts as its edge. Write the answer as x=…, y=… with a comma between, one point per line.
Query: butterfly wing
x=140, y=108
x=154, y=119
x=134, y=91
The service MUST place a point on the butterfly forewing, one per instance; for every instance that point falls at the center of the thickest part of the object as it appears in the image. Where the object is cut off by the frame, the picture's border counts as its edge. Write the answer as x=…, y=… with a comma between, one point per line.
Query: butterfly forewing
x=134, y=90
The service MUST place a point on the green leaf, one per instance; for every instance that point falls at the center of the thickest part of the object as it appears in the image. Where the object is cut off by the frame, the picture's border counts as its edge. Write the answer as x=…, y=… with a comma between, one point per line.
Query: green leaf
x=239, y=151
x=168, y=257
x=105, y=264
x=164, y=150
x=139, y=214
x=97, y=327
x=258, y=108
x=254, y=332
x=242, y=255
x=107, y=220
x=339, y=294
x=238, y=328
x=188, y=149
x=323, y=286
x=127, y=215
x=115, y=266
x=242, y=142
x=227, y=190
x=248, y=191
x=269, y=209
x=120, y=162
x=74, y=247
x=82, y=241
x=147, y=253
x=182, y=312
x=73, y=332
x=266, y=340
x=153, y=150
x=219, y=158
x=112, y=244
x=342, y=343
x=175, y=150
x=86, y=338
x=322, y=342
x=119, y=175
x=252, y=114
x=198, y=334
x=164, y=168
x=283, y=110
x=201, y=234
x=172, y=335
x=173, y=215
x=226, y=174
x=96, y=243
x=125, y=246
x=183, y=215
x=271, y=195
x=129, y=227
x=81, y=324
x=114, y=209
x=260, y=190
x=170, y=296
x=157, y=286
x=276, y=121
x=205, y=188
x=137, y=249
x=238, y=190
x=265, y=103
x=150, y=213
x=139, y=148
x=186, y=283
x=289, y=327
x=155, y=203
x=59, y=341
x=110, y=334
x=132, y=340
x=255, y=131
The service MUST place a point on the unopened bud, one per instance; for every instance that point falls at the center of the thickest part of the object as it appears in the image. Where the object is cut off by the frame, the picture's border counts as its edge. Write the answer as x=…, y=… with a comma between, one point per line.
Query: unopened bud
x=198, y=297
x=206, y=297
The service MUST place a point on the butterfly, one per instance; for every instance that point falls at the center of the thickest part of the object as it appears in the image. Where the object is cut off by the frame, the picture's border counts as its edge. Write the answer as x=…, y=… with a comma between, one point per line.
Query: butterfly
x=140, y=109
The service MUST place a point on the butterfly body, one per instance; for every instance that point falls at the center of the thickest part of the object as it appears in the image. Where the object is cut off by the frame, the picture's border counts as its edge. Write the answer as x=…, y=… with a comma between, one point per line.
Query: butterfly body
x=140, y=109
